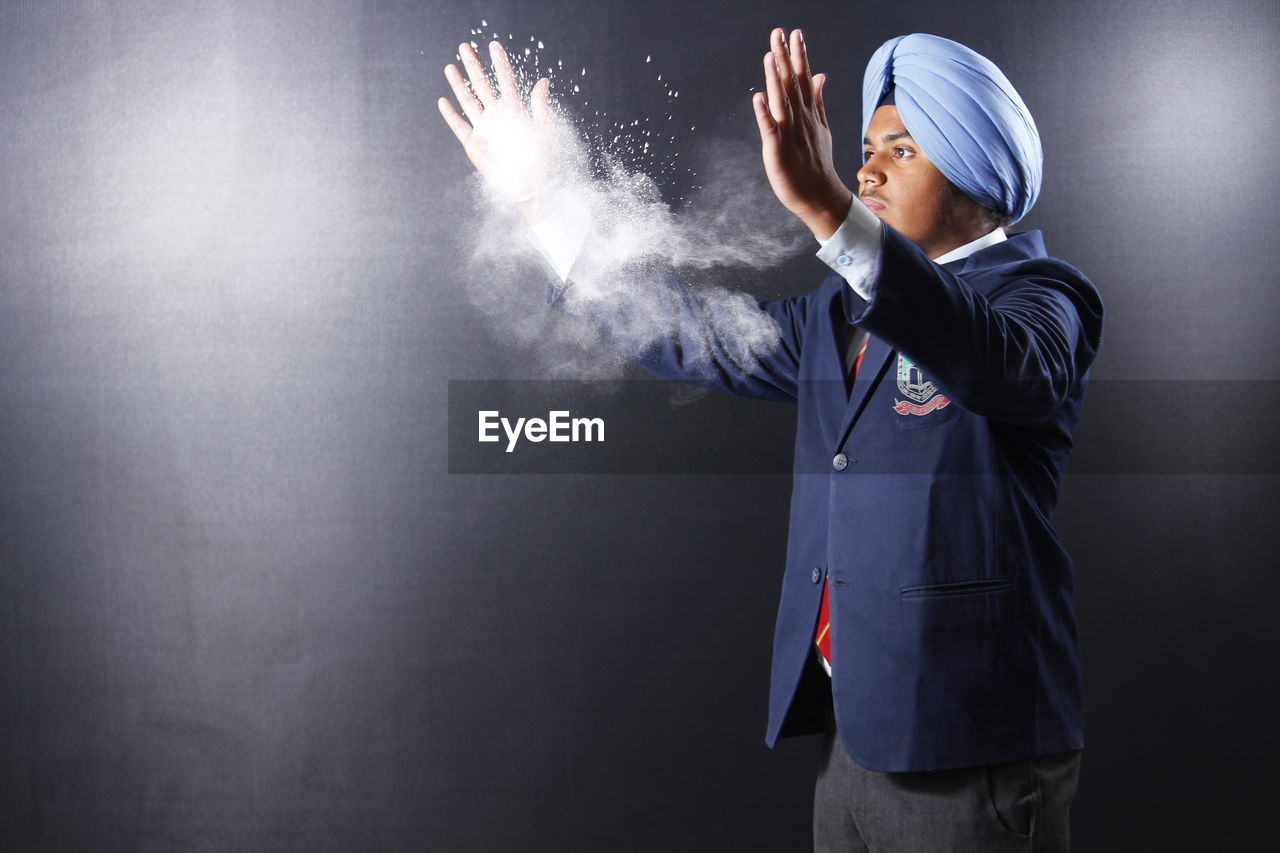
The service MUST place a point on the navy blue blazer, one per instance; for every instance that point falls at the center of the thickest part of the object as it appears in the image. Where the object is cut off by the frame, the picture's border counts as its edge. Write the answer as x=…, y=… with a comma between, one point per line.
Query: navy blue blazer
x=923, y=495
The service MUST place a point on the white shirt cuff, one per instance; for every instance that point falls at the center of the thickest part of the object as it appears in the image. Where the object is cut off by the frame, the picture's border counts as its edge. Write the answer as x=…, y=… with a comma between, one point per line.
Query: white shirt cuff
x=559, y=237
x=854, y=250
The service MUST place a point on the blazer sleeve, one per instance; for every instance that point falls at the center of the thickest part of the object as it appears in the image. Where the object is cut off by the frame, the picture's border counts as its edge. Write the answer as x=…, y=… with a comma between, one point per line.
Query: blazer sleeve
x=727, y=342
x=1012, y=350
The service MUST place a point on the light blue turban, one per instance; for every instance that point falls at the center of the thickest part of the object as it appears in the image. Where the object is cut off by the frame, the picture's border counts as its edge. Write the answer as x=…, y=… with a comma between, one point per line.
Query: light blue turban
x=965, y=115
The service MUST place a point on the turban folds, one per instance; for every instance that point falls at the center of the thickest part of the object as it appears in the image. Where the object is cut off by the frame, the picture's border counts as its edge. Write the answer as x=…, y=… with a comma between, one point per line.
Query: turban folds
x=965, y=115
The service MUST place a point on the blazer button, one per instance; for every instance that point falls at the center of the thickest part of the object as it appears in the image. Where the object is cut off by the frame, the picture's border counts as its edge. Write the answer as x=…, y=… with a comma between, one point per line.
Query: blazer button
x=840, y=462
x=816, y=574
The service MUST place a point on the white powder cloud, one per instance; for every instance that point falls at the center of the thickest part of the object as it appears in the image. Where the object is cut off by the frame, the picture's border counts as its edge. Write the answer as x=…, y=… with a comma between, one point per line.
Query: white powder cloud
x=633, y=243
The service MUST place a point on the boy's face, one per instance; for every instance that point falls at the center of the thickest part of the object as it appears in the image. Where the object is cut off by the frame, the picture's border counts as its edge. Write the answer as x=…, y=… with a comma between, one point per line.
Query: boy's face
x=899, y=184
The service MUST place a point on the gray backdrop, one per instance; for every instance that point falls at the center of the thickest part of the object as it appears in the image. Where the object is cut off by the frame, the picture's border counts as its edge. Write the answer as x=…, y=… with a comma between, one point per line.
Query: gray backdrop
x=245, y=606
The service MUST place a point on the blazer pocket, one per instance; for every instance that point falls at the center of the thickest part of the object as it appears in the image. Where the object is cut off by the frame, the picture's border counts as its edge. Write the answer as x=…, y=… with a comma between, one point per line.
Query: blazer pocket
x=980, y=607
x=966, y=587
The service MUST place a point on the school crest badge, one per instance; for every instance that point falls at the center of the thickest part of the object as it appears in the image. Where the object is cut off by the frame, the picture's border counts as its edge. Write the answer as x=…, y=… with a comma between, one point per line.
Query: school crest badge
x=922, y=396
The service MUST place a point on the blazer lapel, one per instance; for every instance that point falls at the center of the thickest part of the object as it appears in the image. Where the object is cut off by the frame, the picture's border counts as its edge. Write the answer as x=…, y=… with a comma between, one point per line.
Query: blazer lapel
x=874, y=361
x=827, y=365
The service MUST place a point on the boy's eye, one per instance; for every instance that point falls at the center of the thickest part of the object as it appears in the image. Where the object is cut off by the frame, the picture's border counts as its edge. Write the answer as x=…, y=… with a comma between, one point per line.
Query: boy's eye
x=897, y=152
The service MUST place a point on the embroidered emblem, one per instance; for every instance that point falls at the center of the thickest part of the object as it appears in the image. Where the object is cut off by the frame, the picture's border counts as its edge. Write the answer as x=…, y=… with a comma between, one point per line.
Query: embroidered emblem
x=922, y=395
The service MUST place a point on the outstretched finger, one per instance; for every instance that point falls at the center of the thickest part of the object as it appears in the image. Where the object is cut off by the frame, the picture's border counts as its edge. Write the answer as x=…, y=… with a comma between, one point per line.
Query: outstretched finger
x=800, y=65
x=507, y=87
x=782, y=58
x=540, y=101
x=778, y=105
x=466, y=98
x=456, y=123
x=477, y=74
x=819, y=103
x=768, y=127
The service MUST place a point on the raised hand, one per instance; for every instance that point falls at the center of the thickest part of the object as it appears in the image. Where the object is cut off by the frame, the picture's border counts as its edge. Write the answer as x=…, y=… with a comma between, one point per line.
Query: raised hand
x=795, y=138
x=511, y=144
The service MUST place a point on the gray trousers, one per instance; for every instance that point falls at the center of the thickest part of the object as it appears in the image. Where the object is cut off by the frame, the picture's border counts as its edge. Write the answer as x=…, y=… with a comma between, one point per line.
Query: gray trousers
x=1015, y=806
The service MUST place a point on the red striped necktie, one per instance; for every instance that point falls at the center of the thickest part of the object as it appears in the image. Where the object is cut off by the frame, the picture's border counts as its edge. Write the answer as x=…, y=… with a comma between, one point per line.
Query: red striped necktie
x=822, y=636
